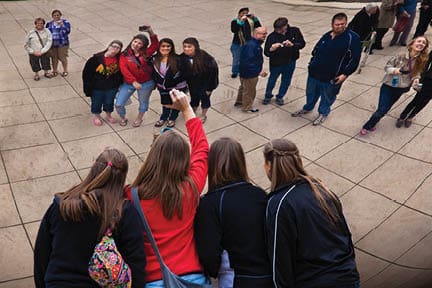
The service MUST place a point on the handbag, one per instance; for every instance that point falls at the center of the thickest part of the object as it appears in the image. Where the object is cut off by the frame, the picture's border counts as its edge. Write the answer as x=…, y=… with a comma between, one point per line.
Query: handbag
x=170, y=279
x=107, y=267
x=401, y=24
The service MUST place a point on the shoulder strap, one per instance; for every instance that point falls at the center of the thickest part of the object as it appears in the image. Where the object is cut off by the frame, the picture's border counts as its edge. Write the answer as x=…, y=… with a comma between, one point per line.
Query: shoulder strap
x=40, y=39
x=137, y=205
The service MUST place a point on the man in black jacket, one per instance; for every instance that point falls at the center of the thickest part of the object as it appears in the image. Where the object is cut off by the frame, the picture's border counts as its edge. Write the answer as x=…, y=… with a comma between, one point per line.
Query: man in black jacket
x=365, y=21
x=282, y=46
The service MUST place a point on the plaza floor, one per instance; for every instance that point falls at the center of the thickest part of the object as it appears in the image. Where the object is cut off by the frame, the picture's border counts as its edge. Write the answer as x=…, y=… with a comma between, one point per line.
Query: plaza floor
x=48, y=141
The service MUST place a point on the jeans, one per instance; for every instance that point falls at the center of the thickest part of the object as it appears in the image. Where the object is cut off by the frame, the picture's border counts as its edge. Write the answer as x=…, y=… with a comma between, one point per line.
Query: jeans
x=195, y=278
x=235, y=51
x=403, y=38
x=287, y=72
x=125, y=92
x=102, y=98
x=316, y=89
x=388, y=96
x=226, y=273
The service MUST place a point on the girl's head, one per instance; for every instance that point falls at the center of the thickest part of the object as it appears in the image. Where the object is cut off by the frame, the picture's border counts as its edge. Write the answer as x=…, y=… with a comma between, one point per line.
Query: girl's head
x=164, y=172
x=56, y=15
x=419, y=47
x=114, y=48
x=100, y=193
x=139, y=43
x=166, y=47
x=226, y=162
x=191, y=46
x=283, y=163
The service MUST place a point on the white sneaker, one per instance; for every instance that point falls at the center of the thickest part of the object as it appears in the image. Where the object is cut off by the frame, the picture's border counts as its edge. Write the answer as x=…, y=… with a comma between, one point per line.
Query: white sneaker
x=299, y=113
x=319, y=120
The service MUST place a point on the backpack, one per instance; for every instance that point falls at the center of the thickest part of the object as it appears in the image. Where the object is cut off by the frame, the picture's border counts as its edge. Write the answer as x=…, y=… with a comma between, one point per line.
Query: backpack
x=107, y=267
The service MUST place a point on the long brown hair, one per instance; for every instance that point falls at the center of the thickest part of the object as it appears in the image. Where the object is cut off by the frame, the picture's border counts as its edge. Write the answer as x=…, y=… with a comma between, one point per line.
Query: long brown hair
x=164, y=174
x=286, y=166
x=421, y=59
x=200, y=64
x=100, y=193
x=142, y=50
x=172, y=57
x=226, y=162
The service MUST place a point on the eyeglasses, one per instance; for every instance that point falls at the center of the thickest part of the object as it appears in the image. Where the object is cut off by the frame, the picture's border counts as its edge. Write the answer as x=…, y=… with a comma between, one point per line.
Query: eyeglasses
x=116, y=47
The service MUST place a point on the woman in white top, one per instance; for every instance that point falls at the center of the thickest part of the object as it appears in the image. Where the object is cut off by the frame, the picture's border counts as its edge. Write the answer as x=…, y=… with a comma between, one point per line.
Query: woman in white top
x=38, y=42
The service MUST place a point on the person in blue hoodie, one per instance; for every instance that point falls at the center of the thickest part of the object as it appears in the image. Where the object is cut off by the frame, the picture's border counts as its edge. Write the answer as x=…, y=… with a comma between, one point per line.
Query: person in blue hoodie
x=251, y=66
x=335, y=56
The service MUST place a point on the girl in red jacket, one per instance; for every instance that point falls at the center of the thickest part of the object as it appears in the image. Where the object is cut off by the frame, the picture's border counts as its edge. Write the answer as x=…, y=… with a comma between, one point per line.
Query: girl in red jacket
x=137, y=75
x=169, y=185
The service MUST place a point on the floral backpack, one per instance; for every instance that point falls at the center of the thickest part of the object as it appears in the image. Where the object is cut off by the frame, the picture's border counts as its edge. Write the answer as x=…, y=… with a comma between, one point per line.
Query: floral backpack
x=107, y=267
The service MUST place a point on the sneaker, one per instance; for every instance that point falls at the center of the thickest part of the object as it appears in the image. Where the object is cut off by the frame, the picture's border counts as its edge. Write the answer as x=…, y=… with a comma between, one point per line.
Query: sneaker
x=319, y=120
x=299, y=113
x=399, y=123
x=280, y=101
x=408, y=123
x=266, y=101
x=253, y=110
x=363, y=132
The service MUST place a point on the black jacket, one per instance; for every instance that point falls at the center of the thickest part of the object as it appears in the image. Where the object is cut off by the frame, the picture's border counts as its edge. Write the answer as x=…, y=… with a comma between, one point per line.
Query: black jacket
x=96, y=77
x=209, y=78
x=363, y=24
x=284, y=55
x=306, y=249
x=63, y=249
x=170, y=80
x=232, y=218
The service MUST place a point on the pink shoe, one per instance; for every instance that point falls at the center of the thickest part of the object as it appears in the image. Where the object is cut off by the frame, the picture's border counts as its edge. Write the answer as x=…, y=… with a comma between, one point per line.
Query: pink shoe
x=373, y=129
x=363, y=132
x=97, y=121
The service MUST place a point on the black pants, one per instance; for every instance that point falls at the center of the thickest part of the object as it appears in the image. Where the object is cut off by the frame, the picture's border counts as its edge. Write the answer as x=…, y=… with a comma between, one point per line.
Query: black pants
x=380, y=35
x=420, y=100
x=424, y=21
x=39, y=63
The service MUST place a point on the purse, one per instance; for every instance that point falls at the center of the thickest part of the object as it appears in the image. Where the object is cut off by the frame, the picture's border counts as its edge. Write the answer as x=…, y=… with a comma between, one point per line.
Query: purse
x=170, y=279
x=107, y=267
x=401, y=24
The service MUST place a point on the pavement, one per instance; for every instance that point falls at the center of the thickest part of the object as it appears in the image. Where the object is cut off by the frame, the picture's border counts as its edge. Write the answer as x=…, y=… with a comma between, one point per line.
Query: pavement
x=48, y=141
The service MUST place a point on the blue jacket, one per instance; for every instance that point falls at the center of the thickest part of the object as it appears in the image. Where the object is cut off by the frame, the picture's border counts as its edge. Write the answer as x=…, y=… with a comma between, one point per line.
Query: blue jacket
x=332, y=57
x=251, y=59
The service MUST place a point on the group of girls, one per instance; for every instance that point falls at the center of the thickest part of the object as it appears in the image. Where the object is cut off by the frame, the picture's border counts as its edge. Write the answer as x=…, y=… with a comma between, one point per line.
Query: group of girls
x=222, y=235
x=48, y=42
x=402, y=72
x=143, y=66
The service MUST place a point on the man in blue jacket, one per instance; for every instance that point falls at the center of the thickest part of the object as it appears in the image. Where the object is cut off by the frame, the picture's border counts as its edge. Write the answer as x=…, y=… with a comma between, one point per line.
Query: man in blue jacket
x=251, y=66
x=334, y=58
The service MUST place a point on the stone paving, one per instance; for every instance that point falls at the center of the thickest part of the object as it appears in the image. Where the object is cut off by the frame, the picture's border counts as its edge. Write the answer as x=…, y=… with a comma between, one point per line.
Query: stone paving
x=48, y=142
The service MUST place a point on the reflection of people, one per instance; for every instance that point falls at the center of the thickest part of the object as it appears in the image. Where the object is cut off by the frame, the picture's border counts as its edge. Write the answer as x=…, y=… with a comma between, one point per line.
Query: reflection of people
x=60, y=29
x=201, y=73
x=425, y=18
x=251, y=66
x=169, y=184
x=335, y=56
x=420, y=100
x=282, y=46
x=101, y=79
x=137, y=75
x=242, y=28
x=230, y=214
x=308, y=239
x=166, y=74
x=365, y=21
x=386, y=20
x=78, y=219
x=402, y=71
x=407, y=9
x=38, y=42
